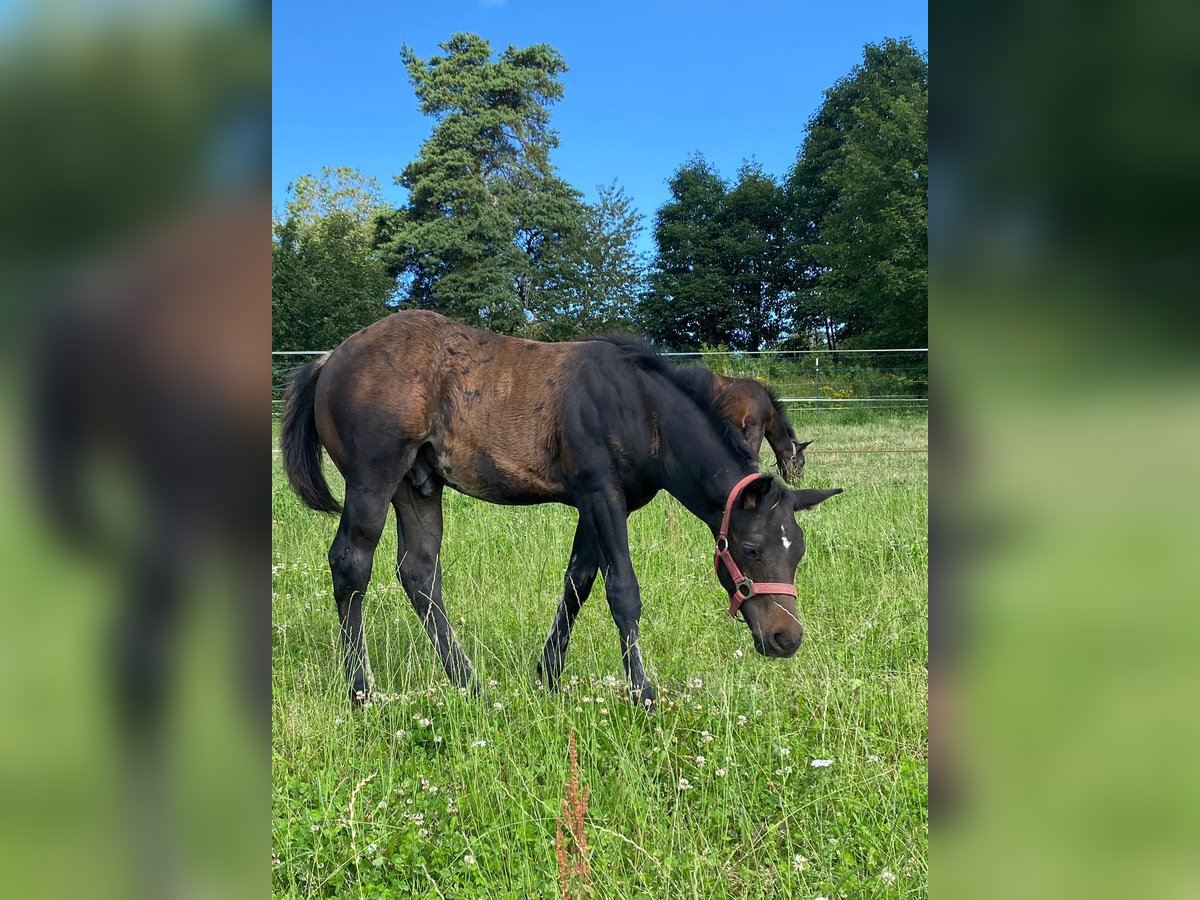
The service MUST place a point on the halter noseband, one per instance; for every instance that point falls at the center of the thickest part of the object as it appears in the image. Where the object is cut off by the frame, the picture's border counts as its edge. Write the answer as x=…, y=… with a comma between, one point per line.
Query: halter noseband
x=743, y=587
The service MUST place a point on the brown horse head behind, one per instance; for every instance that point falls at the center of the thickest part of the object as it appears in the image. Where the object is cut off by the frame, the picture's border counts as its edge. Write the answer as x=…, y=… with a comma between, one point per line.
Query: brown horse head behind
x=756, y=411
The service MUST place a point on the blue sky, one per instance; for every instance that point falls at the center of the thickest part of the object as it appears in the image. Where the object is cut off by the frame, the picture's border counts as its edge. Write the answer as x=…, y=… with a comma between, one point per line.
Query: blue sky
x=649, y=83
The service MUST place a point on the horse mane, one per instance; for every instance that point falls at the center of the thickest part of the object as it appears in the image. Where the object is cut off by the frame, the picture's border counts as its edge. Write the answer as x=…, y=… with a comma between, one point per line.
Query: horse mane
x=778, y=407
x=694, y=382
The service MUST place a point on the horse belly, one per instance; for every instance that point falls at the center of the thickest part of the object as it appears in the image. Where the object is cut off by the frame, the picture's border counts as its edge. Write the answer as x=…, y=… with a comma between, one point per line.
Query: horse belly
x=498, y=478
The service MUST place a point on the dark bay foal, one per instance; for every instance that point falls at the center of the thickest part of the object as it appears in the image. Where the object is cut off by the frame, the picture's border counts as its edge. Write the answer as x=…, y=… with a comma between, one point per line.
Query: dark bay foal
x=417, y=402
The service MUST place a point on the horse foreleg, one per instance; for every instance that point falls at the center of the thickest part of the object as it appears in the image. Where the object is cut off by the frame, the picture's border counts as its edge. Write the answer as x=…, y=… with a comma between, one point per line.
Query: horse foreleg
x=419, y=568
x=577, y=585
x=607, y=519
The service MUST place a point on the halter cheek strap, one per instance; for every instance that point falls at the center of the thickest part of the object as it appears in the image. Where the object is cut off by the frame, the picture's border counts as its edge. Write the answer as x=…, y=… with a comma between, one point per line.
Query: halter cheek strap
x=743, y=587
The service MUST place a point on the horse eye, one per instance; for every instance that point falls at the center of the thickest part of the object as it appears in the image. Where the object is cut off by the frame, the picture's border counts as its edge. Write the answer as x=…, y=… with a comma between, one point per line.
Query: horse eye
x=751, y=552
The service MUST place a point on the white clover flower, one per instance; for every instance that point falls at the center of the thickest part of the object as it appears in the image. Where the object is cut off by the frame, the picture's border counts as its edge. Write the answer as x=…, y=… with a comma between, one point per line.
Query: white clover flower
x=874, y=757
x=706, y=737
x=468, y=859
x=382, y=804
x=700, y=760
x=479, y=743
x=720, y=773
x=424, y=723
x=684, y=784
x=604, y=711
x=698, y=682
x=742, y=720
x=424, y=832
x=437, y=738
x=887, y=877
x=784, y=751
x=316, y=828
x=737, y=654
x=579, y=709
x=610, y=681
x=821, y=763
x=798, y=863
x=497, y=705
x=371, y=848
x=587, y=699
x=400, y=732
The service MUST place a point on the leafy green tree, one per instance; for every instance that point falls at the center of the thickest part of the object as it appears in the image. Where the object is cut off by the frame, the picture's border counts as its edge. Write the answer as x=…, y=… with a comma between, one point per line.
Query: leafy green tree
x=716, y=279
x=488, y=232
x=858, y=197
x=752, y=253
x=326, y=279
x=690, y=302
x=604, y=273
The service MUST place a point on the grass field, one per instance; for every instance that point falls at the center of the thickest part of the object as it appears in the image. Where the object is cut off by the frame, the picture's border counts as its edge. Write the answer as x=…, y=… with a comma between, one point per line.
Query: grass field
x=430, y=794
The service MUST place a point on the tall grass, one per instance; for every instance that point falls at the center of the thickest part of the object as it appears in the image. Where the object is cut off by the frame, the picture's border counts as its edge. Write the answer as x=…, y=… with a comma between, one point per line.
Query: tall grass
x=430, y=794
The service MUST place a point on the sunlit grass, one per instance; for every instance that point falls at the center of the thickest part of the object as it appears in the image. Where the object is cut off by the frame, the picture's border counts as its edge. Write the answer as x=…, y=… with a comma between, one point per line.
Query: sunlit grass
x=714, y=796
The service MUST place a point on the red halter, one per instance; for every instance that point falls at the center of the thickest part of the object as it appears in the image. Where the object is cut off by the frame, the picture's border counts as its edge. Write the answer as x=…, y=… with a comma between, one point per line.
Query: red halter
x=743, y=587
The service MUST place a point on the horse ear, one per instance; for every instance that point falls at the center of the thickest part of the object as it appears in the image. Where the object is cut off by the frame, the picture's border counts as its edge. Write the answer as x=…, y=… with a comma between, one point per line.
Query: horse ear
x=755, y=491
x=801, y=446
x=807, y=498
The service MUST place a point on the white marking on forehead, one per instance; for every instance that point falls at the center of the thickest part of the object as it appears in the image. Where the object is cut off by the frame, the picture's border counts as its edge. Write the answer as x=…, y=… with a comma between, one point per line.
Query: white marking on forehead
x=786, y=542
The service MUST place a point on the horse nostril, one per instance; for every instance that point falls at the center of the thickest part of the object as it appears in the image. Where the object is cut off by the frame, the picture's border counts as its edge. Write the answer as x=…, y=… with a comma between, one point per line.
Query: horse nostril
x=786, y=642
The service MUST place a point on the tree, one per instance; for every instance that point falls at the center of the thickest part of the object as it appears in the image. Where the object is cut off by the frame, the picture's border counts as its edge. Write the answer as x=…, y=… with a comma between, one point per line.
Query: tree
x=326, y=280
x=487, y=234
x=858, y=198
x=751, y=251
x=604, y=273
x=690, y=302
x=716, y=279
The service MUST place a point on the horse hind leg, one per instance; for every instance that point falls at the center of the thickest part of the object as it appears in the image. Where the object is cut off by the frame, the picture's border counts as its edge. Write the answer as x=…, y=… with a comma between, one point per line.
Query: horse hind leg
x=363, y=516
x=418, y=566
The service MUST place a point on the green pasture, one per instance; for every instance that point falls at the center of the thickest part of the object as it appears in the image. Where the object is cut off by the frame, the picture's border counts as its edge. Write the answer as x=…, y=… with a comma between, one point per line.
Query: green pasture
x=427, y=793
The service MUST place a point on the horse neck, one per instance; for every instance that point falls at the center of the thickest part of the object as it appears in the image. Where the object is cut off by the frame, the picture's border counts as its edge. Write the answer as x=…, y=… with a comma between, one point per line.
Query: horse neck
x=697, y=467
x=778, y=436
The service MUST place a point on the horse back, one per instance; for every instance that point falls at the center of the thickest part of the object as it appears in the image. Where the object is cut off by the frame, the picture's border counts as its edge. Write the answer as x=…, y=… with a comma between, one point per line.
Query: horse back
x=482, y=410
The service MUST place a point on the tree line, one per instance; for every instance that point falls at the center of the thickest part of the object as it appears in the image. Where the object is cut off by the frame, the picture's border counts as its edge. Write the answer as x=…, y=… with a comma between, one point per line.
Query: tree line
x=832, y=254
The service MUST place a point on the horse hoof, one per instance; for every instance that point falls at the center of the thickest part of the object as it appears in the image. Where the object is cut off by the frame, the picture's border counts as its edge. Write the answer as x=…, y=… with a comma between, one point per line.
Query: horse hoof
x=645, y=699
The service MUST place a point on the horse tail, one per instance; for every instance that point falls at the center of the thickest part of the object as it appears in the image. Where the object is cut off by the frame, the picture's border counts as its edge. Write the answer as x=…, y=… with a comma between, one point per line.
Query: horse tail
x=300, y=443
